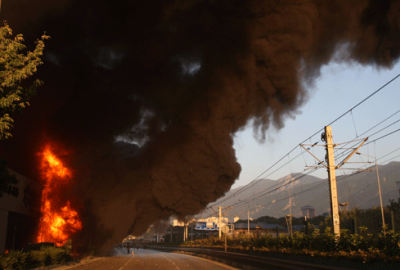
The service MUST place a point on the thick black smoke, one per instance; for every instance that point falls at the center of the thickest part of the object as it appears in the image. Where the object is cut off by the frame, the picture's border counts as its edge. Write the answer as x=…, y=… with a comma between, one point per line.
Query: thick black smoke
x=179, y=78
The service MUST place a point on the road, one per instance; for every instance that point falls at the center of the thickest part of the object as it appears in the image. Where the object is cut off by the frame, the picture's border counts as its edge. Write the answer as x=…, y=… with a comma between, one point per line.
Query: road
x=147, y=260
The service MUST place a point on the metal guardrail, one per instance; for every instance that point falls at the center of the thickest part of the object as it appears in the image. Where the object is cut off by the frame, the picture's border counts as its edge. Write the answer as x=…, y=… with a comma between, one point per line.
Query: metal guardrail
x=258, y=262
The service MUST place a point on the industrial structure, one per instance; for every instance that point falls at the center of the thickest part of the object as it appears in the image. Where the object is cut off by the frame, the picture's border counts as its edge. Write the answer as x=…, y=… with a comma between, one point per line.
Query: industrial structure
x=308, y=211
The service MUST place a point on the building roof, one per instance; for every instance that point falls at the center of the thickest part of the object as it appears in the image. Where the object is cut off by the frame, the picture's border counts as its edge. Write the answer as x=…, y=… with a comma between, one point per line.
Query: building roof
x=239, y=226
x=307, y=207
x=258, y=225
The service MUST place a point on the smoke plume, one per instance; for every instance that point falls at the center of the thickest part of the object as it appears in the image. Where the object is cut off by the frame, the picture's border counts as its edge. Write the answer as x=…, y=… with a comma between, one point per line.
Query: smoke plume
x=147, y=95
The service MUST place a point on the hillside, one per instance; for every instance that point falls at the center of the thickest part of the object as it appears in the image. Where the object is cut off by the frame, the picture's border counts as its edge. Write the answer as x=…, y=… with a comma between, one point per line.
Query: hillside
x=360, y=190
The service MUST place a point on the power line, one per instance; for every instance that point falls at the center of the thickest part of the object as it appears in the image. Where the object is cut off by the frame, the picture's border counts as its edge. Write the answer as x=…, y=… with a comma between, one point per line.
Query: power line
x=268, y=190
x=384, y=136
x=358, y=104
x=274, y=188
x=389, y=154
x=319, y=185
x=323, y=183
x=337, y=156
x=391, y=159
x=252, y=183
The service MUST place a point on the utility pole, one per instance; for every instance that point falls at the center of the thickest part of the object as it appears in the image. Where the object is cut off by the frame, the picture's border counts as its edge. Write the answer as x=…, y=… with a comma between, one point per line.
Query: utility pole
x=290, y=216
x=184, y=232
x=380, y=198
x=332, y=181
x=380, y=192
x=331, y=168
x=220, y=214
x=248, y=219
x=219, y=221
x=248, y=216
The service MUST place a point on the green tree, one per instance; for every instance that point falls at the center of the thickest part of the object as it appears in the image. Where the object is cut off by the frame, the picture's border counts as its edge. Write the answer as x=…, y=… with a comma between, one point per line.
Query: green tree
x=15, y=70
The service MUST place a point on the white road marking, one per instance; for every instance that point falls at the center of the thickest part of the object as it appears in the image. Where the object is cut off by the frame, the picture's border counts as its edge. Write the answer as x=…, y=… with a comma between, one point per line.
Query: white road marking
x=125, y=264
x=214, y=262
x=177, y=267
x=80, y=263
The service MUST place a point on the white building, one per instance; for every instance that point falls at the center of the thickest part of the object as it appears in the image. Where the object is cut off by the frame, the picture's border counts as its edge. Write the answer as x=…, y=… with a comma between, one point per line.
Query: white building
x=308, y=211
x=176, y=222
x=17, y=215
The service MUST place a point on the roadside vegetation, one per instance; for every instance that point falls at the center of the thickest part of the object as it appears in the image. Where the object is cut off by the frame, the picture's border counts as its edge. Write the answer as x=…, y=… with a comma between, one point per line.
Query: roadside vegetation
x=362, y=236
x=34, y=256
x=363, y=246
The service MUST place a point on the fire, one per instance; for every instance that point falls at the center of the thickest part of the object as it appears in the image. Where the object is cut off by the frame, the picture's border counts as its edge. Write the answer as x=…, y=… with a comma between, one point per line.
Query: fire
x=57, y=223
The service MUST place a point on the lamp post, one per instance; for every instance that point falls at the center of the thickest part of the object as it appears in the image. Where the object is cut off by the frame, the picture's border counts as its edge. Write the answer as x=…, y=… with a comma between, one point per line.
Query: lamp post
x=248, y=217
x=380, y=193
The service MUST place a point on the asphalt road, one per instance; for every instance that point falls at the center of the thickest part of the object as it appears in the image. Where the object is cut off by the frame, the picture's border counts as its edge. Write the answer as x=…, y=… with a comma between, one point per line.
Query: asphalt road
x=148, y=260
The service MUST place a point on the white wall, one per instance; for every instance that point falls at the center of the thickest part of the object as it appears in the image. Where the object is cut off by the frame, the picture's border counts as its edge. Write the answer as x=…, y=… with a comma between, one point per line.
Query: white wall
x=12, y=200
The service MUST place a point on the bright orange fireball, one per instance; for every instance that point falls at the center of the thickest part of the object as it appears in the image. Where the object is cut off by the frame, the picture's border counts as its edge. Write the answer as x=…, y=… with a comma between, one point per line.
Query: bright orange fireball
x=57, y=223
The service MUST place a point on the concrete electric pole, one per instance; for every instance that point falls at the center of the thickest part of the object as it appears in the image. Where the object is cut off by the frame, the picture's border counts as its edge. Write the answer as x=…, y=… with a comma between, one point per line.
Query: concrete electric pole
x=248, y=216
x=332, y=181
x=220, y=215
x=331, y=168
x=380, y=192
x=219, y=221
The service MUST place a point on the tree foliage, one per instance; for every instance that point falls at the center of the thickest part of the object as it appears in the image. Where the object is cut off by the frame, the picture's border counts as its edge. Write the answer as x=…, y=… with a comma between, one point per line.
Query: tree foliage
x=15, y=70
x=369, y=218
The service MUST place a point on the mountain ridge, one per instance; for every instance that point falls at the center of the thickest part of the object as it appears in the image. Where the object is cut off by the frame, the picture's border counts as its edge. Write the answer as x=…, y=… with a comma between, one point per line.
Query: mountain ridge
x=360, y=190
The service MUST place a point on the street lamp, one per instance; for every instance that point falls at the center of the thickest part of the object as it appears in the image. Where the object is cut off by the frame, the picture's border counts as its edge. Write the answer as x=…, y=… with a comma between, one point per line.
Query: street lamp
x=380, y=193
x=248, y=217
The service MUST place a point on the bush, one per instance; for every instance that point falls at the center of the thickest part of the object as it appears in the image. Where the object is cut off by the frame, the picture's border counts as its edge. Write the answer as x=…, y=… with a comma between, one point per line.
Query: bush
x=14, y=260
x=32, y=258
x=37, y=246
x=364, y=246
x=57, y=255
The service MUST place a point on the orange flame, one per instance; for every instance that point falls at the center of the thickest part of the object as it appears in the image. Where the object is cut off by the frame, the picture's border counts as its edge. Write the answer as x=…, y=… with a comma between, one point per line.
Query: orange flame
x=56, y=225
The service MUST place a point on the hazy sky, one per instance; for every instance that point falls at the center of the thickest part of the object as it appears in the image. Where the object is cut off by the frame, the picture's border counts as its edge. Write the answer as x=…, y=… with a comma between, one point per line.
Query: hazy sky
x=338, y=89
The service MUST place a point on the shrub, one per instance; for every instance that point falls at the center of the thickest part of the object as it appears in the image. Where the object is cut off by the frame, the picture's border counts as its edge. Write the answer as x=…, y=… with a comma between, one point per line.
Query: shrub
x=363, y=246
x=32, y=258
x=14, y=260
x=56, y=255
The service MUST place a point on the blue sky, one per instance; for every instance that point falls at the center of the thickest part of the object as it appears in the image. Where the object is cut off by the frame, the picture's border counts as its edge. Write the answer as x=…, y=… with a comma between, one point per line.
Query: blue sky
x=338, y=89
